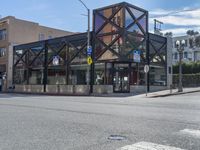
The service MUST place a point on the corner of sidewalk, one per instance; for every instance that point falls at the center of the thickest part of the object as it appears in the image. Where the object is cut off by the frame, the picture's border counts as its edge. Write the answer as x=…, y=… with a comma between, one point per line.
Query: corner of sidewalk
x=166, y=93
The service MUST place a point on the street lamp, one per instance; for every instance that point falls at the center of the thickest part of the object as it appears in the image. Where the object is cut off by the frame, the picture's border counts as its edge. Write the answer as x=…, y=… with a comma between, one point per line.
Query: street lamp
x=180, y=48
x=88, y=39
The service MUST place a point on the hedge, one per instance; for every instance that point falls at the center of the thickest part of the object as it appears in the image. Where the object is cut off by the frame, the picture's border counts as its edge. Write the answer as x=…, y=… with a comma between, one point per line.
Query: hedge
x=187, y=68
x=188, y=80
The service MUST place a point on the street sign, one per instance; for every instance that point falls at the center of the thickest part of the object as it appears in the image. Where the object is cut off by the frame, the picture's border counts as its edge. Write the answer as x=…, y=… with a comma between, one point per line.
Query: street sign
x=89, y=60
x=56, y=60
x=89, y=51
x=146, y=68
x=136, y=56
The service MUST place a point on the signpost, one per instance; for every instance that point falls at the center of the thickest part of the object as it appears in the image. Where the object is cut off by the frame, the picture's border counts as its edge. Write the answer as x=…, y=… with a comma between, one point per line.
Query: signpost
x=146, y=70
x=89, y=54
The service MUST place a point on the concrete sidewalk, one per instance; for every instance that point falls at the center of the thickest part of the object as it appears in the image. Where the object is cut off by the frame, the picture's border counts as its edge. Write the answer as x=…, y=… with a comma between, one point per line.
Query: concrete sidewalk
x=170, y=93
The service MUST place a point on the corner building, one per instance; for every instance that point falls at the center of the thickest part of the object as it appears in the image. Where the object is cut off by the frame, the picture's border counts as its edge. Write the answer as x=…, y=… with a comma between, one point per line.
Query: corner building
x=120, y=31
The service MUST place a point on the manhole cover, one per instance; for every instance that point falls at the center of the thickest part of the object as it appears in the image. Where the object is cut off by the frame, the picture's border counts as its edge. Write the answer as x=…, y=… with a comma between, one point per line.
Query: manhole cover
x=116, y=137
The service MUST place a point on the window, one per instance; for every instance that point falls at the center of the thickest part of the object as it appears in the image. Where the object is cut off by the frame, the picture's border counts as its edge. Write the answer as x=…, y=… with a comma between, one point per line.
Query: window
x=41, y=37
x=186, y=43
x=175, y=46
x=3, y=34
x=185, y=54
x=2, y=52
x=175, y=55
x=50, y=37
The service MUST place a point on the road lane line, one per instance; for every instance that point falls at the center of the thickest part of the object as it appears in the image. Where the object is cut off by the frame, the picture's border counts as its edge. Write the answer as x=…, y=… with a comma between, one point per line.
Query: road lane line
x=191, y=132
x=148, y=146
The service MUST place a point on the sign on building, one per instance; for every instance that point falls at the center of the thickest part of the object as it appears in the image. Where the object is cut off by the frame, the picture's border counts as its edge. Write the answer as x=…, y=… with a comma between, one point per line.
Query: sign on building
x=56, y=60
x=136, y=56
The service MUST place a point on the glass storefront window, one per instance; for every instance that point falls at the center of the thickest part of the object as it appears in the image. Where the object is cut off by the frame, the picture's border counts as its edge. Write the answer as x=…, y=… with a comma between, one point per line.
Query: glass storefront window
x=20, y=76
x=98, y=48
x=99, y=76
x=78, y=74
x=108, y=55
x=39, y=53
x=112, y=24
x=158, y=76
x=56, y=75
x=136, y=12
x=108, y=28
x=103, y=74
x=143, y=23
x=99, y=21
x=36, y=76
x=136, y=30
x=128, y=19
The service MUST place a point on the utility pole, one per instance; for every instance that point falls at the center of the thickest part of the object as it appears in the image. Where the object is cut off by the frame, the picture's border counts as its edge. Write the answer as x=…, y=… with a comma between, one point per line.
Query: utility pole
x=88, y=39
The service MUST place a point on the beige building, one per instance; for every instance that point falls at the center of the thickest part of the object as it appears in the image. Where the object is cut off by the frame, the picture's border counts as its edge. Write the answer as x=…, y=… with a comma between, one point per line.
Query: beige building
x=15, y=31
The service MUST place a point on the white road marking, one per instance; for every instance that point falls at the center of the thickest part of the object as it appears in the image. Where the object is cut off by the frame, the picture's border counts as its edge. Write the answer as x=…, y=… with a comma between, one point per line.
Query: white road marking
x=148, y=146
x=191, y=132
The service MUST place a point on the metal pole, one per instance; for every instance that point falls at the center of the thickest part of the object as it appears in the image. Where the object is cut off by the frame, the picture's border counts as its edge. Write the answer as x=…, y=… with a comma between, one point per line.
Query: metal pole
x=180, y=88
x=146, y=83
x=88, y=46
x=88, y=41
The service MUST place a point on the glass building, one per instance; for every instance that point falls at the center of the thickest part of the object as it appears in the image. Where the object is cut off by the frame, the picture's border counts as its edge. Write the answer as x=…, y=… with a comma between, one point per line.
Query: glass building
x=121, y=46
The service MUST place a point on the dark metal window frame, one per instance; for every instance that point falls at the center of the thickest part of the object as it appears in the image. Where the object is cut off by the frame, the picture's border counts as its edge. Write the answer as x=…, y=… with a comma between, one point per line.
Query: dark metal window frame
x=63, y=42
x=121, y=31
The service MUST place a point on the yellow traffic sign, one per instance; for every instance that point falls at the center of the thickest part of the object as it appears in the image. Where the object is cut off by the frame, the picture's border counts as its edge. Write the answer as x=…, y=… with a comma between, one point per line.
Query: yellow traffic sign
x=89, y=60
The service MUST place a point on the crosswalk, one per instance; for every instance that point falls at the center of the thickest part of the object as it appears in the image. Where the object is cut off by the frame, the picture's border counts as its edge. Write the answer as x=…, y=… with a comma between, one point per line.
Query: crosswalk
x=154, y=146
x=148, y=146
x=191, y=132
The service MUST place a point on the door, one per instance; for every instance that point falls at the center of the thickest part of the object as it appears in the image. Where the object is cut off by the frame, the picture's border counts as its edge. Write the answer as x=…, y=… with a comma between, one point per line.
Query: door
x=121, y=75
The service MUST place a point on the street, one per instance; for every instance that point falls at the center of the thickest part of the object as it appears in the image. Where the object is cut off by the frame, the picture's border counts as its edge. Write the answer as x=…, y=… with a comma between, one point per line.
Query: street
x=33, y=122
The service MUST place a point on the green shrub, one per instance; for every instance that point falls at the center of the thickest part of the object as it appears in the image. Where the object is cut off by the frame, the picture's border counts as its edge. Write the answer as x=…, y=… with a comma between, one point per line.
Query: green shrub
x=187, y=68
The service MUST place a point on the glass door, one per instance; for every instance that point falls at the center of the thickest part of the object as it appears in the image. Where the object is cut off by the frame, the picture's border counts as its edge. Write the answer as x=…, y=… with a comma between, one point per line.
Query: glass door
x=121, y=78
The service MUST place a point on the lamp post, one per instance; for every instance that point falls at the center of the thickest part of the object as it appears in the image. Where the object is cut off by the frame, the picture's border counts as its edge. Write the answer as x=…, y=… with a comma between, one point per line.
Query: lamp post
x=88, y=40
x=180, y=48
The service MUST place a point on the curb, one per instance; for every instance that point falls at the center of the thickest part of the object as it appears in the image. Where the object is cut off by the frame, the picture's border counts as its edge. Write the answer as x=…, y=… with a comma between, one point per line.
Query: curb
x=182, y=93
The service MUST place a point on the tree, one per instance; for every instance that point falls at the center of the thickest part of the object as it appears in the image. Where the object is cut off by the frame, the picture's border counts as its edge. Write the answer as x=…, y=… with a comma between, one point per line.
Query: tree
x=192, y=32
x=170, y=34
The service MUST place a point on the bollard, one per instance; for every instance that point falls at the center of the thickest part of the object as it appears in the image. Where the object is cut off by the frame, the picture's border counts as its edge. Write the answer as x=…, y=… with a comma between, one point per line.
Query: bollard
x=171, y=86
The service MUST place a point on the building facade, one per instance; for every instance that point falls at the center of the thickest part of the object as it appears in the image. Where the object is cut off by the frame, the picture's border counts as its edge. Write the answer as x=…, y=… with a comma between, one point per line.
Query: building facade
x=14, y=31
x=121, y=45
x=191, y=51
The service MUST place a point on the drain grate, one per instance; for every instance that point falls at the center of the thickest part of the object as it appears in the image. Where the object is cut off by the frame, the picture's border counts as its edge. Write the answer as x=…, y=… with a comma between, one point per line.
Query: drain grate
x=116, y=137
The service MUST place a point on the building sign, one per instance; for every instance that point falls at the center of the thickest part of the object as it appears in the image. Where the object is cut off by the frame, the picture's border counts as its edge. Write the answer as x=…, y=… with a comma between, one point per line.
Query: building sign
x=56, y=60
x=136, y=56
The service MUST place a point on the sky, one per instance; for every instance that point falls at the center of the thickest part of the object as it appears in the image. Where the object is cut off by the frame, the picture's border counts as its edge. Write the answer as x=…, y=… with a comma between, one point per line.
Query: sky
x=66, y=14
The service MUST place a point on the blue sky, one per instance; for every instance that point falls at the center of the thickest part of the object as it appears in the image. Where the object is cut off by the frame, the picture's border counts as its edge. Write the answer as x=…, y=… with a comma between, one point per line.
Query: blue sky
x=66, y=14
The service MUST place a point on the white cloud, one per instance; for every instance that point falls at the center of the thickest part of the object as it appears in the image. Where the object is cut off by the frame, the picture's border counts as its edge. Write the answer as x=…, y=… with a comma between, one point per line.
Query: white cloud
x=181, y=31
x=186, y=19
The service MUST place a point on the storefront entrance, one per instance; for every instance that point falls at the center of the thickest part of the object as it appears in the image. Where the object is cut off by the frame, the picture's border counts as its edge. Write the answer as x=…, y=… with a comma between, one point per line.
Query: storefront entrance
x=121, y=77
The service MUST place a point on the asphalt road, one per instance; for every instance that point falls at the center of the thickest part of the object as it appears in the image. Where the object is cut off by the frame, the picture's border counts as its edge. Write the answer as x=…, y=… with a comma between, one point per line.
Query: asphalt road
x=85, y=123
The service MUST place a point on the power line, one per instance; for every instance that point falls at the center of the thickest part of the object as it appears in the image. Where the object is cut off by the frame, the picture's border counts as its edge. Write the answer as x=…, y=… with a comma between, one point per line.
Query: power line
x=174, y=12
